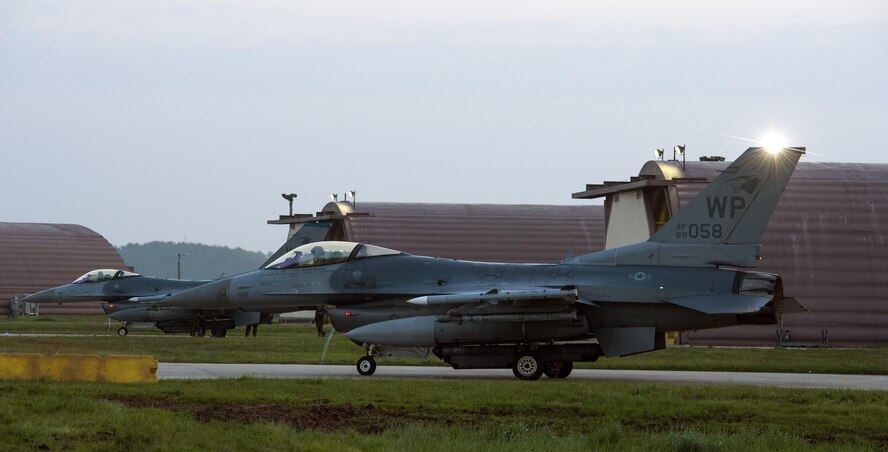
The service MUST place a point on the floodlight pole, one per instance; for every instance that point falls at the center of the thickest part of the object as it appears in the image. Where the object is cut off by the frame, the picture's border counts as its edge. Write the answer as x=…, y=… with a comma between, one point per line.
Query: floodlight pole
x=289, y=197
x=684, y=152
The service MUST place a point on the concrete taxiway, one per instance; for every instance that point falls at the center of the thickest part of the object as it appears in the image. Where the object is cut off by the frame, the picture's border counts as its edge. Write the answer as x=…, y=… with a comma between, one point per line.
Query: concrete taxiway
x=170, y=371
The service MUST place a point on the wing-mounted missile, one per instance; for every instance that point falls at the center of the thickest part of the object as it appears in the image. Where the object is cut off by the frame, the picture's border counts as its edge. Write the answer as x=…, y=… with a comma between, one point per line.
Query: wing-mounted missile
x=494, y=296
x=149, y=299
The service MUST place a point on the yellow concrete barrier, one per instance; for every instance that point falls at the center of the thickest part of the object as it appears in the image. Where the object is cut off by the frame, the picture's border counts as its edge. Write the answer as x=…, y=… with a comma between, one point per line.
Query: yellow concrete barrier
x=129, y=369
x=72, y=367
x=22, y=366
x=111, y=369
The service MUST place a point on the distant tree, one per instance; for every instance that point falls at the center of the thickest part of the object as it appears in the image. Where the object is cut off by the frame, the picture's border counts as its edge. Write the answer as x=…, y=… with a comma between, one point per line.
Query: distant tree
x=202, y=261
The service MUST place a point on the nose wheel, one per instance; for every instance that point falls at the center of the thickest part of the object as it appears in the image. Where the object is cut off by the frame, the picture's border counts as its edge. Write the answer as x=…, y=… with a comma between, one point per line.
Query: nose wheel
x=366, y=365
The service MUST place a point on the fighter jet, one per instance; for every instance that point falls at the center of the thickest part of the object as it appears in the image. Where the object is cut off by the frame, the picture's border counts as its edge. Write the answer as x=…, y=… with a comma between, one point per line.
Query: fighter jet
x=130, y=297
x=541, y=318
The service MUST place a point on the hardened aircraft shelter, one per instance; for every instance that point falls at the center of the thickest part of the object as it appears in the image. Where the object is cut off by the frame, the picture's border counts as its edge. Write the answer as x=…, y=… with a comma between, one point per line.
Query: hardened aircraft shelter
x=36, y=256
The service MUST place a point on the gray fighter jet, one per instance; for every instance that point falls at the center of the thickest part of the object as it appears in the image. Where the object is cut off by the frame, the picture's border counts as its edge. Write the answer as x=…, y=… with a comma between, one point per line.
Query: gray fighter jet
x=540, y=318
x=130, y=297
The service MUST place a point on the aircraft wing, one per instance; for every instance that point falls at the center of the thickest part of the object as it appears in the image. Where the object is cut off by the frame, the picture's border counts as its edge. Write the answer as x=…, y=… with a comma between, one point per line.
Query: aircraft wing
x=709, y=304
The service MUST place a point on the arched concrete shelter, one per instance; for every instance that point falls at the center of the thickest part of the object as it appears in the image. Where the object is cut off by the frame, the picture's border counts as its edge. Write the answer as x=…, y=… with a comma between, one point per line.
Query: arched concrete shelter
x=36, y=256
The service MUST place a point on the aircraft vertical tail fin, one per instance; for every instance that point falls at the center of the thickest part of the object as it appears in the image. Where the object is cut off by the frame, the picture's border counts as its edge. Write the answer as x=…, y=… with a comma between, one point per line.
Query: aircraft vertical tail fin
x=724, y=224
x=736, y=206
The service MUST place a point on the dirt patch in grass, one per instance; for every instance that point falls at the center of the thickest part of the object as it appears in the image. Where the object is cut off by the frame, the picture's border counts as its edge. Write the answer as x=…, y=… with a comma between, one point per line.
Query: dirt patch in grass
x=328, y=418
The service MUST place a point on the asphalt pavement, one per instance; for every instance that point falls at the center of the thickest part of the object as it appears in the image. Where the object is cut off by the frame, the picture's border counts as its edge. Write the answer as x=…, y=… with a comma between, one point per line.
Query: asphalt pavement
x=171, y=371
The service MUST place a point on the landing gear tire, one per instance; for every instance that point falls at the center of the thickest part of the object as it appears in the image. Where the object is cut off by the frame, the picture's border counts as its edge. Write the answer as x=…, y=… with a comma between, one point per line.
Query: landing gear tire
x=219, y=332
x=366, y=365
x=558, y=369
x=122, y=331
x=527, y=366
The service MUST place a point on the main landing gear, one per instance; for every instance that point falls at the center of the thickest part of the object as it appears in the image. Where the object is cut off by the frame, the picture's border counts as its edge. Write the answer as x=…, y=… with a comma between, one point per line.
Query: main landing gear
x=529, y=366
x=527, y=362
x=558, y=369
x=219, y=331
x=198, y=329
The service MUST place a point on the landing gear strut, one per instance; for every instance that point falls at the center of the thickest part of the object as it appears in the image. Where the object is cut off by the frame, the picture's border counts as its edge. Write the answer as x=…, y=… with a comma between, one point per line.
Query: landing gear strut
x=198, y=329
x=122, y=331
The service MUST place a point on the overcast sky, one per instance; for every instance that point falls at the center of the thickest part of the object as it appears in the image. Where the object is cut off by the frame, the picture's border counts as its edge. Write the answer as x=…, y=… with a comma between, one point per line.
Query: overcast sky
x=161, y=120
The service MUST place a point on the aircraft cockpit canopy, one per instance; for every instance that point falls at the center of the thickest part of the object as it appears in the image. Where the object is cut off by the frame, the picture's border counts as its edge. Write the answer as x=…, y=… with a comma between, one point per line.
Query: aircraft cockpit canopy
x=103, y=275
x=325, y=253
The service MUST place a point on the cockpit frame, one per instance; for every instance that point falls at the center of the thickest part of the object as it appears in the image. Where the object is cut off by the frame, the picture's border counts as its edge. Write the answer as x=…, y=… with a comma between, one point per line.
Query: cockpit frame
x=103, y=274
x=317, y=254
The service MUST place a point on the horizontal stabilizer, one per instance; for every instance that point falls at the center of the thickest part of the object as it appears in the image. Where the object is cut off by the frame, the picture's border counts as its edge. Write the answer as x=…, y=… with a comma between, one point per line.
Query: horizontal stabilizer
x=723, y=304
x=792, y=306
x=496, y=296
x=626, y=341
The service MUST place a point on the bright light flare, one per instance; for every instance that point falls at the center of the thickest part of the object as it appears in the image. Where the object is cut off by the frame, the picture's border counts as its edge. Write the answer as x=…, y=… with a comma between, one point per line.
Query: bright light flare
x=774, y=142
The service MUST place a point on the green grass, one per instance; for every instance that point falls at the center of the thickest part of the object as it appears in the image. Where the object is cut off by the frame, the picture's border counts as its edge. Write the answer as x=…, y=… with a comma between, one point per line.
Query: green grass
x=872, y=361
x=436, y=415
x=298, y=343
x=445, y=415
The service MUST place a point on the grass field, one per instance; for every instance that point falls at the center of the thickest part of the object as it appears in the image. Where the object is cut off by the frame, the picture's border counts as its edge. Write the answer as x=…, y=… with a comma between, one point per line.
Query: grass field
x=435, y=415
x=298, y=343
x=249, y=414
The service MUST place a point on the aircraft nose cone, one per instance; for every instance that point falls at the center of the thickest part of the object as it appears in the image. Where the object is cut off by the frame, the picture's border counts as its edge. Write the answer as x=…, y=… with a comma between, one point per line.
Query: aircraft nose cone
x=208, y=296
x=44, y=296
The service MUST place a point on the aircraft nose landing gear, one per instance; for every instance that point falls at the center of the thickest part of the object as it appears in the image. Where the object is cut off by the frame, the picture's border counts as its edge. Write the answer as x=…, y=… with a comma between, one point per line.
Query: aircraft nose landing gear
x=366, y=365
x=123, y=331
